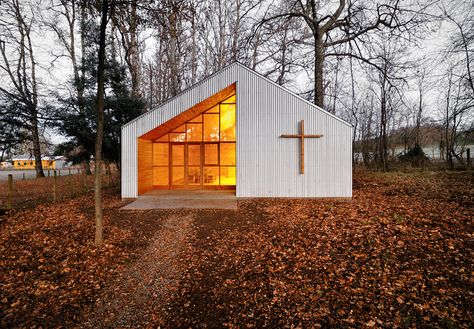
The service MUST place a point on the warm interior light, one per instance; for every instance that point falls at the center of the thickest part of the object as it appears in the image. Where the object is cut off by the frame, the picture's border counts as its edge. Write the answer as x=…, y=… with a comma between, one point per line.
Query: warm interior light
x=200, y=152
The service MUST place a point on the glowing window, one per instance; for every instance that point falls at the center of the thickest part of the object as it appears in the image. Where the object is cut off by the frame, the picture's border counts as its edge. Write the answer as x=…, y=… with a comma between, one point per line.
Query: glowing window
x=201, y=152
x=227, y=118
x=211, y=127
x=228, y=154
x=228, y=176
x=194, y=132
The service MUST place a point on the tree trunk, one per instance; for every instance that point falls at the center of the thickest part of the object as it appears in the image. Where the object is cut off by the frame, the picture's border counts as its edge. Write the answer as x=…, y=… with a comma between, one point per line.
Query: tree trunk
x=100, y=129
x=383, y=131
x=318, y=71
x=134, y=55
x=173, y=53
x=87, y=167
x=194, y=62
x=36, y=147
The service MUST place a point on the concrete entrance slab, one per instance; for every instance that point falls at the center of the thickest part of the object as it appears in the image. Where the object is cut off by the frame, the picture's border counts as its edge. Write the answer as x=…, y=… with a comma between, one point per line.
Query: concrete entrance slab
x=184, y=199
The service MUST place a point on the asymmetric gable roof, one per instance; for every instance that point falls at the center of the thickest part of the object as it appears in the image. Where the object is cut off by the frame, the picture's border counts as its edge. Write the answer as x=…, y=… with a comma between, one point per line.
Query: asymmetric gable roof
x=223, y=71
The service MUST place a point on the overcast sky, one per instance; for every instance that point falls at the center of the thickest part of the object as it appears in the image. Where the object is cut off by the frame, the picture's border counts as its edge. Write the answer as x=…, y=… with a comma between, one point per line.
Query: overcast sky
x=54, y=74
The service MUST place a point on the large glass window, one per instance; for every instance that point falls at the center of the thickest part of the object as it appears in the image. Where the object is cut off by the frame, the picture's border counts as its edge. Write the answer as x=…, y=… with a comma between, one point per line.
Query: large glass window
x=199, y=153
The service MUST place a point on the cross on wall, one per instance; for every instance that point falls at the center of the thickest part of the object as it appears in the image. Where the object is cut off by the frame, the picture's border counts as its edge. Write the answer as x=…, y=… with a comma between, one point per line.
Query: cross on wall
x=301, y=136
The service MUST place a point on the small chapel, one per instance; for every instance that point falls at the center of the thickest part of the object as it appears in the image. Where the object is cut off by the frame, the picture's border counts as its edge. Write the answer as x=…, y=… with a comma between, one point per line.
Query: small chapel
x=237, y=130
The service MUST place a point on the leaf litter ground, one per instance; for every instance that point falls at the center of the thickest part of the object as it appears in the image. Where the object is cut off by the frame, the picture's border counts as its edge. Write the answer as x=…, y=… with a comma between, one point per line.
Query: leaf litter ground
x=400, y=254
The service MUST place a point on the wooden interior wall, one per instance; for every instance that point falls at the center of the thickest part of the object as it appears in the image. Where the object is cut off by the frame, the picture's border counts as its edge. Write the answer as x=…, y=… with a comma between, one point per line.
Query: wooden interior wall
x=187, y=115
x=145, y=165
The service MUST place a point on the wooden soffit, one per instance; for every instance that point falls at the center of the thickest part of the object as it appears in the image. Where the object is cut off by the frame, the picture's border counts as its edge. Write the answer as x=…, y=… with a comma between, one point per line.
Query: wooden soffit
x=194, y=111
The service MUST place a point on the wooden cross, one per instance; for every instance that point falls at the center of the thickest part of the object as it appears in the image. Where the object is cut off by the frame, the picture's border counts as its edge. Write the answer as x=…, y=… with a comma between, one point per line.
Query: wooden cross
x=301, y=136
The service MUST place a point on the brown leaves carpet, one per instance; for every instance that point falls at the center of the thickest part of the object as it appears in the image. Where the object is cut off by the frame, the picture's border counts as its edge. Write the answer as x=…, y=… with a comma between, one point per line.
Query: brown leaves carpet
x=400, y=254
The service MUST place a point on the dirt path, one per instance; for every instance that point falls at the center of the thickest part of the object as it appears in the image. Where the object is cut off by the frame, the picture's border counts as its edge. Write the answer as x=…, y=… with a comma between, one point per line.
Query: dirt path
x=137, y=295
x=399, y=255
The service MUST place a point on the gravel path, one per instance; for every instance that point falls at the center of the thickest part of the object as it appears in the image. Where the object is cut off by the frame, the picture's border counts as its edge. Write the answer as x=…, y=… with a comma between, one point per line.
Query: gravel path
x=138, y=295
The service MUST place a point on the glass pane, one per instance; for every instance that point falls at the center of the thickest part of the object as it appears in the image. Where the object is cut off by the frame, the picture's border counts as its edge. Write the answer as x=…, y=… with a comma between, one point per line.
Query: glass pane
x=160, y=176
x=196, y=119
x=160, y=154
x=180, y=129
x=178, y=137
x=194, y=155
x=211, y=175
x=214, y=109
x=230, y=100
x=228, y=154
x=228, y=122
x=210, y=154
x=227, y=175
x=177, y=176
x=194, y=175
x=177, y=154
x=194, y=132
x=211, y=127
x=163, y=138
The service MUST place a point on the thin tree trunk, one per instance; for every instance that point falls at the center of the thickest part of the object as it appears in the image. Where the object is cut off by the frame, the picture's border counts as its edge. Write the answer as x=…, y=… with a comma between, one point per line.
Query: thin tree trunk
x=87, y=167
x=383, y=129
x=318, y=71
x=100, y=129
x=134, y=55
x=36, y=147
x=194, y=48
x=173, y=56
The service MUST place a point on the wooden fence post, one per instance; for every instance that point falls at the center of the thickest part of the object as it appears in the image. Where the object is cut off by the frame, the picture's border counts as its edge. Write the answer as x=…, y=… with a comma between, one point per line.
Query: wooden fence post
x=54, y=186
x=10, y=192
x=468, y=154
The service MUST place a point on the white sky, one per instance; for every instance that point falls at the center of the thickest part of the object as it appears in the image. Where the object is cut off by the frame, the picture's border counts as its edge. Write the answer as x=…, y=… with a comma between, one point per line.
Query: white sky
x=54, y=76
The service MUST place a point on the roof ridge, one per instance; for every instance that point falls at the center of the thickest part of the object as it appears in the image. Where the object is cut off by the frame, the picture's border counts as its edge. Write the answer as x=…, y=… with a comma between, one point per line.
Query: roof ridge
x=249, y=70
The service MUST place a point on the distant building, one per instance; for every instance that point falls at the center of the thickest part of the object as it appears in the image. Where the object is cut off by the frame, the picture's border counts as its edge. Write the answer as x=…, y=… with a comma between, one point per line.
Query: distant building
x=27, y=162
x=5, y=164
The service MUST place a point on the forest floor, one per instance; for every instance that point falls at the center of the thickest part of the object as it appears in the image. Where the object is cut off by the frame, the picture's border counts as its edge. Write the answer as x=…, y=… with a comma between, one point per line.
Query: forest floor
x=400, y=254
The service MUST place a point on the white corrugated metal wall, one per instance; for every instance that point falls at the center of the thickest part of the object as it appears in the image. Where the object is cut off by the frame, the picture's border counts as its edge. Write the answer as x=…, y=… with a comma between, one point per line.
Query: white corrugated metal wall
x=267, y=165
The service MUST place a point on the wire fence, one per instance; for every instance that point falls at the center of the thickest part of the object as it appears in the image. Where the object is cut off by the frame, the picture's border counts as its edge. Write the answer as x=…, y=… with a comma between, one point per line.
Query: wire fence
x=23, y=193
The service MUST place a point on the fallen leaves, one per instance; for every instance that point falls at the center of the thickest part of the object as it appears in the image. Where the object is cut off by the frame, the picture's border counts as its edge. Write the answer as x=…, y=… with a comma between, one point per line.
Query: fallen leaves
x=398, y=255
x=50, y=268
x=378, y=261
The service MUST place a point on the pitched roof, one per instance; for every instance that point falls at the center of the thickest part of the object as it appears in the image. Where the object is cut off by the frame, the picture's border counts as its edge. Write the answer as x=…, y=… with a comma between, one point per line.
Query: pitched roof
x=216, y=74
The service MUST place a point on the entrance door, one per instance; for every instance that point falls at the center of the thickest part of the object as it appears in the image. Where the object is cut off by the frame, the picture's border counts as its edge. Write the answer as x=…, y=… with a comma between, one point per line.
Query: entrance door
x=186, y=165
x=177, y=165
x=193, y=163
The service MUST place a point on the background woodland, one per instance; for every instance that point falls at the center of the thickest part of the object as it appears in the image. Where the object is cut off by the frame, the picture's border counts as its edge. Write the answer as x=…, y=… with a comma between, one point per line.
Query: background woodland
x=399, y=71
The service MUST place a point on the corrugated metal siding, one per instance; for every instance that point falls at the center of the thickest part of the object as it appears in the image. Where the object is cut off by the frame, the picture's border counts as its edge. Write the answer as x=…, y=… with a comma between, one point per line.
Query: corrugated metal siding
x=267, y=165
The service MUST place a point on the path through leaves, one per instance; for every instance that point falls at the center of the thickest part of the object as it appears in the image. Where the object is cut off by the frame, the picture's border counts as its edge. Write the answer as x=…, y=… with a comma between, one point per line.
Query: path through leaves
x=400, y=254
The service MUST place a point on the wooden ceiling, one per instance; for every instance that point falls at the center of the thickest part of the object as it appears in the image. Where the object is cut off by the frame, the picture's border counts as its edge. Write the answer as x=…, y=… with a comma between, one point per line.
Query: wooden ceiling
x=194, y=111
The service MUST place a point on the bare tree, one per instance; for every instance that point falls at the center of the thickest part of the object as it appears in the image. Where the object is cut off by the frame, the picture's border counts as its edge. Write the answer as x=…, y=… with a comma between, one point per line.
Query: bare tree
x=126, y=18
x=462, y=47
x=100, y=126
x=456, y=109
x=19, y=67
x=68, y=19
x=458, y=85
x=421, y=86
x=345, y=22
x=389, y=78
